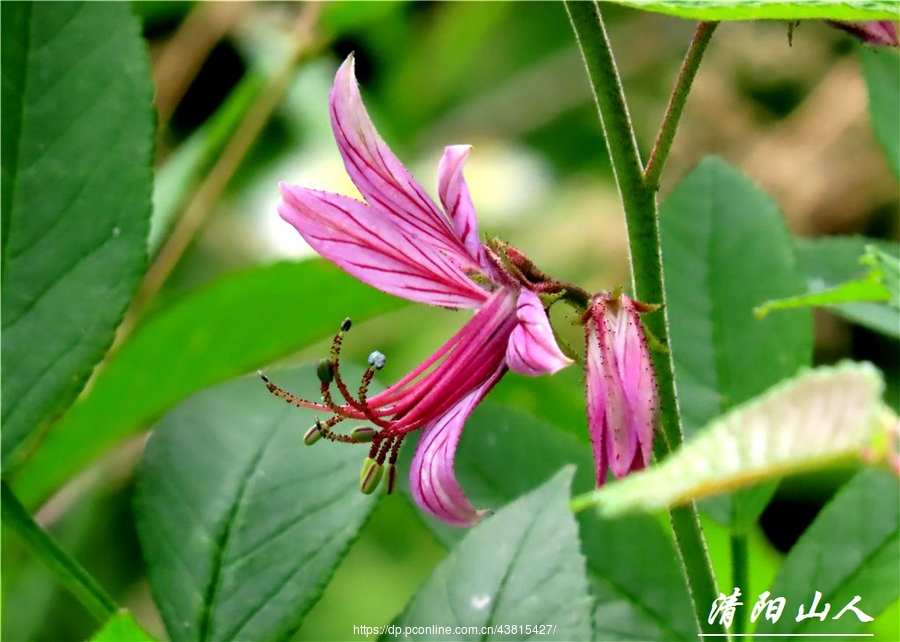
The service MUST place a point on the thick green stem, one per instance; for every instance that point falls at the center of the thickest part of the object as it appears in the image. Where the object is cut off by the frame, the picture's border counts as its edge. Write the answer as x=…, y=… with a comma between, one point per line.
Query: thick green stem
x=740, y=578
x=69, y=572
x=677, y=100
x=641, y=216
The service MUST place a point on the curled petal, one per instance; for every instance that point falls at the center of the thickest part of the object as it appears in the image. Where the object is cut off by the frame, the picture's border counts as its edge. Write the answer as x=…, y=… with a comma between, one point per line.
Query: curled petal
x=432, y=476
x=532, y=347
x=382, y=179
x=359, y=240
x=454, y=193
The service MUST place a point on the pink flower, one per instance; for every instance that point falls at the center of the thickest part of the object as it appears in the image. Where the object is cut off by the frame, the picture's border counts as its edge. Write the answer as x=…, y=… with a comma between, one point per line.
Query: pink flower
x=873, y=32
x=622, y=395
x=402, y=243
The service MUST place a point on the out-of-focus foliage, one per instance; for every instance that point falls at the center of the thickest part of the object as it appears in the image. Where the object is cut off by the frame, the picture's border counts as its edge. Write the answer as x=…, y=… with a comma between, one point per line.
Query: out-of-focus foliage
x=507, y=78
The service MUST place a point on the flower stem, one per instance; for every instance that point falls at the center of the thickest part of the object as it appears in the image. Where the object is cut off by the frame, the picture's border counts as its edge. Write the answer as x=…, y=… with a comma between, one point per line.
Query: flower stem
x=740, y=577
x=680, y=91
x=641, y=216
x=69, y=572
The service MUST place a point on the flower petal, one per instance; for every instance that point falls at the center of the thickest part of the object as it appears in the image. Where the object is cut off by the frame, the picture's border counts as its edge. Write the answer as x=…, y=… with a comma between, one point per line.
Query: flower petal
x=432, y=475
x=457, y=202
x=597, y=395
x=382, y=179
x=638, y=379
x=532, y=347
x=359, y=240
x=873, y=32
x=622, y=396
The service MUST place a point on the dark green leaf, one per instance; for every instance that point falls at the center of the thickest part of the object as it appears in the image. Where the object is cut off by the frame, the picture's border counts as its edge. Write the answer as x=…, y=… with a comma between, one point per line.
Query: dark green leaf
x=881, y=68
x=852, y=548
x=233, y=326
x=726, y=250
x=241, y=524
x=76, y=197
x=827, y=262
x=770, y=9
x=522, y=566
x=505, y=453
x=122, y=627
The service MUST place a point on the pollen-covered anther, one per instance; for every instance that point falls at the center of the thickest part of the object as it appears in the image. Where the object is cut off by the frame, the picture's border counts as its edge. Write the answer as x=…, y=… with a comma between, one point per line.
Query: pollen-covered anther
x=376, y=360
x=363, y=434
x=370, y=476
x=314, y=434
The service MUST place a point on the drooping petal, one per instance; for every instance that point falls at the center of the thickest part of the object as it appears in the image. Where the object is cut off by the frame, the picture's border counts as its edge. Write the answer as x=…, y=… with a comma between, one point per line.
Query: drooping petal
x=638, y=378
x=359, y=240
x=532, y=347
x=881, y=33
x=382, y=179
x=457, y=202
x=432, y=475
x=596, y=384
x=622, y=396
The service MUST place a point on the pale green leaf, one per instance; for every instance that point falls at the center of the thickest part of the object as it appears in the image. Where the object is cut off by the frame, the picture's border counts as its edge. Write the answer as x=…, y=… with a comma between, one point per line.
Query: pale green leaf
x=771, y=9
x=814, y=419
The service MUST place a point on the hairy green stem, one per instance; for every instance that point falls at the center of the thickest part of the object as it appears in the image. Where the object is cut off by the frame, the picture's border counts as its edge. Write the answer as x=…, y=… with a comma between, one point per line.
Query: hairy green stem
x=69, y=572
x=641, y=216
x=740, y=577
x=677, y=100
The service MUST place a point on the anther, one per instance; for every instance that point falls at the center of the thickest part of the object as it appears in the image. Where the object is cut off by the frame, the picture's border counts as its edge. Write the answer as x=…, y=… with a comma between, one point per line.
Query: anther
x=345, y=326
x=376, y=360
x=325, y=370
x=314, y=434
x=370, y=476
x=390, y=478
x=363, y=434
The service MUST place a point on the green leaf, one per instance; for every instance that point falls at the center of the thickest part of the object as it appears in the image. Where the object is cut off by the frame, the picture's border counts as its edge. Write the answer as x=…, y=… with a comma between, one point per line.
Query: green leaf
x=888, y=268
x=771, y=9
x=505, y=453
x=881, y=68
x=76, y=197
x=852, y=548
x=235, y=325
x=522, y=566
x=821, y=416
x=869, y=287
x=827, y=262
x=122, y=627
x=241, y=524
x=726, y=251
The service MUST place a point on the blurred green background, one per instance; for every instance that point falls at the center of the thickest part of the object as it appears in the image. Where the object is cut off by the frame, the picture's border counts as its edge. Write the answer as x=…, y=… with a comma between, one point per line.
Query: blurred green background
x=507, y=78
